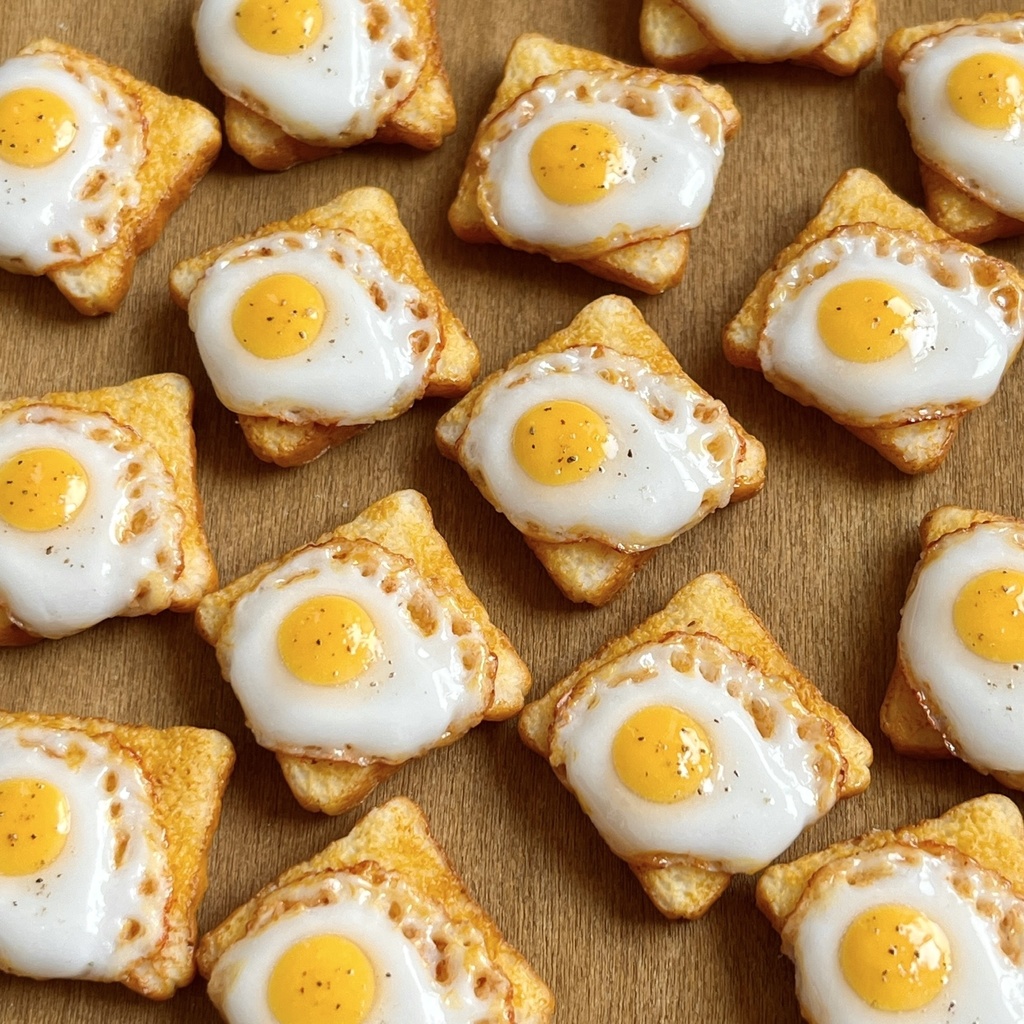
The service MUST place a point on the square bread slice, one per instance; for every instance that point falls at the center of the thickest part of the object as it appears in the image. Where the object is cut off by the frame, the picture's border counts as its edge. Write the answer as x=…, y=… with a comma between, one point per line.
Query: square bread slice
x=711, y=604
x=396, y=837
x=903, y=717
x=858, y=197
x=372, y=216
x=954, y=210
x=401, y=523
x=159, y=410
x=652, y=266
x=423, y=119
x=182, y=141
x=589, y=570
x=187, y=770
x=988, y=829
x=671, y=39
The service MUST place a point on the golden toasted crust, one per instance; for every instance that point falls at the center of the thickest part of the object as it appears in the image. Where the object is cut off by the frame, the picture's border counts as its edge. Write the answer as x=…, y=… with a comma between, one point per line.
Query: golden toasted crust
x=672, y=40
x=182, y=141
x=372, y=216
x=710, y=604
x=953, y=209
x=187, y=770
x=402, y=523
x=988, y=829
x=396, y=836
x=159, y=410
x=858, y=197
x=651, y=266
x=589, y=570
x=903, y=717
x=424, y=119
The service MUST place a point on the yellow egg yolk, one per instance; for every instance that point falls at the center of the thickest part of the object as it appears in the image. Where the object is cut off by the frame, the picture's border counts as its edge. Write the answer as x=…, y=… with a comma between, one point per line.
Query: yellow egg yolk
x=662, y=754
x=577, y=162
x=325, y=979
x=36, y=127
x=559, y=442
x=34, y=823
x=41, y=489
x=279, y=27
x=279, y=316
x=987, y=90
x=895, y=958
x=327, y=640
x=865, y=321
x=989, y=615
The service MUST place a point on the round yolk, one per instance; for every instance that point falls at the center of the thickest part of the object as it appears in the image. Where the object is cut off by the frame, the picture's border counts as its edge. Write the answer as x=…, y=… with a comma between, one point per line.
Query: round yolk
x=895, y=958
x=865, y=321
x=576, y=162
x=325, y=979
x=662, y=754
x=989, y=615
x=41, y=489
x=34, y=823
x=36, y=127
x=278, y=316
x=279, y=27
x=987, y=90
x=327, y=640
x=559, y=442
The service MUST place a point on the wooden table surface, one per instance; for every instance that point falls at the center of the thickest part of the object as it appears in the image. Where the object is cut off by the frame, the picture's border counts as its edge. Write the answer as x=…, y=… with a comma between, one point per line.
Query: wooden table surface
x=823, y=554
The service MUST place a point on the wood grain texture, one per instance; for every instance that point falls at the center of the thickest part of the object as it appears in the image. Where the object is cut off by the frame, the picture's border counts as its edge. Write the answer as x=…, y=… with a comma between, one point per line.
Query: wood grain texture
x=823, y=555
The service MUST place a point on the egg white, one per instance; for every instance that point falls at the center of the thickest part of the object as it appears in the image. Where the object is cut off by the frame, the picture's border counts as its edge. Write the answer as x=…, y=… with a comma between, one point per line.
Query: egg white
x=669, y=461
x=966, y=901
x=673, y=139
x=60, y=581
x=967, y=329
x=70, y=209
x=66, y=920
x=762, y=792
x=337, y=92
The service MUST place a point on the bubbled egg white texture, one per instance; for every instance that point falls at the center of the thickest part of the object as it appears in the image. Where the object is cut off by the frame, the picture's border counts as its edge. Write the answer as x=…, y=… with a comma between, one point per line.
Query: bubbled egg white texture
x=87, y=518
x=591, y=444
x=905, y=934
x=346, y=652
x=880, y=327
x=585, y=162
x=369, y=943
x=963, y=100
x=682, y=749
x=71, y=145
x=770, y=30
x=311, y=326
x=327, y=71
x=961, y=642
x=84, y=881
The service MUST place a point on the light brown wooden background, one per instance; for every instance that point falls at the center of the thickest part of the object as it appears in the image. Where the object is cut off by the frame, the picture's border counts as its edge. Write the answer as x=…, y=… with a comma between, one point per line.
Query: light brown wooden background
x=823, y=554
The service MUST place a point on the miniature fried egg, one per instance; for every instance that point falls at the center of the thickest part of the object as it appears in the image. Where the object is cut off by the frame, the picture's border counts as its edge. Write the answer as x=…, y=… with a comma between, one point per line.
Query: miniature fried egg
x=963, y=101
x=89, y=526
x=358, y=946
x=915, y=935
x=775, y=30
x=346, y=652
x=585, y=162
x=592, y=444
x=326, y=71
x=84, y=880
x=961, y=642
x=682, y=749
x=881, y=327
x=71, y=145
x=311, y=326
